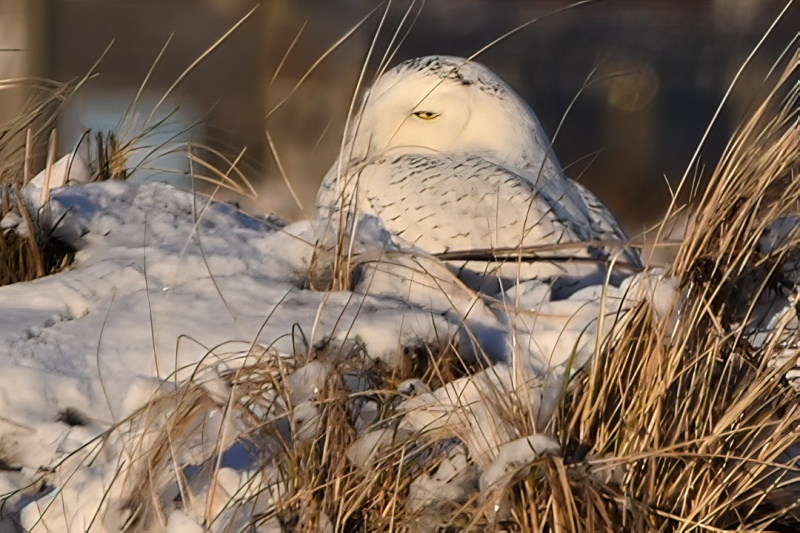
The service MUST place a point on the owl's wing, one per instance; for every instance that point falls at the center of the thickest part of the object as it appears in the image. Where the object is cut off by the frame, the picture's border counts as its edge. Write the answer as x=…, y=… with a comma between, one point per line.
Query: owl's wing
x=605, y=226
x=581, y=206
x=446, y=203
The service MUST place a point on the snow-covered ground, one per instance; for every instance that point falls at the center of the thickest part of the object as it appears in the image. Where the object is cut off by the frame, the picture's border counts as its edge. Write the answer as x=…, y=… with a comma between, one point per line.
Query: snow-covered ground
x=163, y=282
x=168, y=286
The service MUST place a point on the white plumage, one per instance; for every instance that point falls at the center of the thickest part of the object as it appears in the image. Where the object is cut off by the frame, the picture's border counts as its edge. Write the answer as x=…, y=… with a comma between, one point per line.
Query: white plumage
x=449, y=157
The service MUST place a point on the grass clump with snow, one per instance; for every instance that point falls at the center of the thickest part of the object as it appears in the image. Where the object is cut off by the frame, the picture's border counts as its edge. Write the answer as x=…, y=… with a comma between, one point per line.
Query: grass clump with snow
x=26, y=252
x=29, y=248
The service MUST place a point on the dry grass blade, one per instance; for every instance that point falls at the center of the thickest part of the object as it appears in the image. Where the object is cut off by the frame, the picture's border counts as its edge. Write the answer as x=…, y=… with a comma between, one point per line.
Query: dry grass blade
x=196, y=62
x=754, y=183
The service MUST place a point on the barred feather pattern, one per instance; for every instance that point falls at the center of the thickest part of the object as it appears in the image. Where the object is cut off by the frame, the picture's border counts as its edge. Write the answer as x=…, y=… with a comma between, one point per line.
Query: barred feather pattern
x=476, y=172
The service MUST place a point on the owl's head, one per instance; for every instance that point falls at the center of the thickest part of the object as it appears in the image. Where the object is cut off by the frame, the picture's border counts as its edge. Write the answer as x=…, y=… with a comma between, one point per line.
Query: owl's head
x=447, y=105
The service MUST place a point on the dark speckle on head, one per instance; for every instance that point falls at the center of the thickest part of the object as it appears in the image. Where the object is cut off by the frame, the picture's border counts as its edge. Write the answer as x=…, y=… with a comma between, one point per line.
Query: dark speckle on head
x=72, y=417
x=453, y=68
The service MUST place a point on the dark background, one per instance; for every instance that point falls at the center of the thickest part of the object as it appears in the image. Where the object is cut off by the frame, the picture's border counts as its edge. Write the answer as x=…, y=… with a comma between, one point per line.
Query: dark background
x=660, y=69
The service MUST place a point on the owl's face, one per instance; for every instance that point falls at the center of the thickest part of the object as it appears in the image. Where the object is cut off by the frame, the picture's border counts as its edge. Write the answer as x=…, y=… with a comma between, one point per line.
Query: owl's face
x=446, y=105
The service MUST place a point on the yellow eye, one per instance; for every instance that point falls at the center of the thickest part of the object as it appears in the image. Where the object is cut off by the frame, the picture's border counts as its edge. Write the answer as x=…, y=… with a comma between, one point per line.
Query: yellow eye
x=426, y=115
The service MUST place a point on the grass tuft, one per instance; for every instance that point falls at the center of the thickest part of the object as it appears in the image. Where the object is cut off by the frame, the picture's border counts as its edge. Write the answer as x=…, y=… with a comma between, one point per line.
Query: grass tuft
x=683, y=424
x=26, y=250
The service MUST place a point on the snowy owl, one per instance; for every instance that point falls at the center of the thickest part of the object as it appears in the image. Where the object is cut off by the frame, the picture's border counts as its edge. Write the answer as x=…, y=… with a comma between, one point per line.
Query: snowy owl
x=449, y=158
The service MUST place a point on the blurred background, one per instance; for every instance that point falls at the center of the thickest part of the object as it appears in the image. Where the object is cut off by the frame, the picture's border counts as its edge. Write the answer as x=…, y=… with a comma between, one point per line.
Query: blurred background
x=658, y=70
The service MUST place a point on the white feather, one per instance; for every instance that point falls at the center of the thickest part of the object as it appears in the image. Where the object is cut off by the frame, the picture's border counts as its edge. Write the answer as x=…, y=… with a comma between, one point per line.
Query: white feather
x=474, y=171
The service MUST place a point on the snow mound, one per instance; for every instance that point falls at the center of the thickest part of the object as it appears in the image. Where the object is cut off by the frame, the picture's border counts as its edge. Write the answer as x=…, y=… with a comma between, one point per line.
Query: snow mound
x=168, y=288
